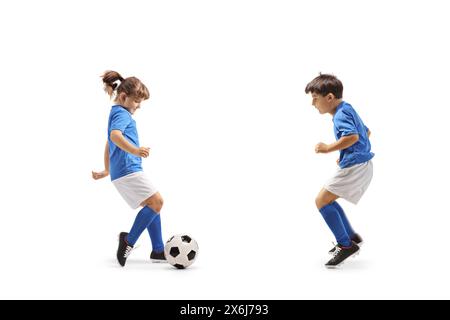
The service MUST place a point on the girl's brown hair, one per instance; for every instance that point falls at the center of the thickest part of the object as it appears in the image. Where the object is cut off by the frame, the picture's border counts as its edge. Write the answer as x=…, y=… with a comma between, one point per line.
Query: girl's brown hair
x=132, y=86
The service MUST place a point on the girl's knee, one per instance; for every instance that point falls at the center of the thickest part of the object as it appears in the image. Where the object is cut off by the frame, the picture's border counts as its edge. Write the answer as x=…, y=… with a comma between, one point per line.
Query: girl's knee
x=159, y=202
x=155, y=202
x=154, y=206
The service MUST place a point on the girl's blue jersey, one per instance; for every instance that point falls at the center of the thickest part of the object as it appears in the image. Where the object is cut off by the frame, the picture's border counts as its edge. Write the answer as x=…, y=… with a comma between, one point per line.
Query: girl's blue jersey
x=122, y=163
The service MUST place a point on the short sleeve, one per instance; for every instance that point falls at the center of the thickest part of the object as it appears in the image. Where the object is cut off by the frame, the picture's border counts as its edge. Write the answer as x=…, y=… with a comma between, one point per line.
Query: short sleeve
x=120, y=120
x=345, y=124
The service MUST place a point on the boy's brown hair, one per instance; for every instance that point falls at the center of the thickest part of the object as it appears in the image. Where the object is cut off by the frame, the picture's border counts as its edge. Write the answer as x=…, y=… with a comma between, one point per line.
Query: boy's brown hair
x=325, y=84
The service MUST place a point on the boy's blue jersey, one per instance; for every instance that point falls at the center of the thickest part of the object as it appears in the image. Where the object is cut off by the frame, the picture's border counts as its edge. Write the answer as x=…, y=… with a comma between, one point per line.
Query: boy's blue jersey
x=122, y=163
x=347, y=122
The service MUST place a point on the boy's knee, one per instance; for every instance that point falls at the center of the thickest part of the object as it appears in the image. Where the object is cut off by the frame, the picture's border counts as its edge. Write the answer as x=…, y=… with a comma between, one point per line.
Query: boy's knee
x=319, y=202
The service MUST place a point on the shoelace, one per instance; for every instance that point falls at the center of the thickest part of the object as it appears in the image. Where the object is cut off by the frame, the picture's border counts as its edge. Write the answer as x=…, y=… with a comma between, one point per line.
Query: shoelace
x=336, y=252
x=127, y=251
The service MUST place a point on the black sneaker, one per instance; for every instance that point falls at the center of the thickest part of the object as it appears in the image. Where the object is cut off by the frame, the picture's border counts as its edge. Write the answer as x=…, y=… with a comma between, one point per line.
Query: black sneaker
x=356, y=238
x=158, y=257
x=340, y=254
x=124, y=249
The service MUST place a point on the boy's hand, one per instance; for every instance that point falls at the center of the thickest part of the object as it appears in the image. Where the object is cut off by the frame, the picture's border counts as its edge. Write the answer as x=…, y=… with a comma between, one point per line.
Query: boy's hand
x=321, y=147
x=142, y=152
x=337, y=161
x=99, y=175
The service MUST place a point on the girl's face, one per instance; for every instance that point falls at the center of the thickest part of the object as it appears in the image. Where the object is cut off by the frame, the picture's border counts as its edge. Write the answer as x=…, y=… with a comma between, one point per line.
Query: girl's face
x=130, y=103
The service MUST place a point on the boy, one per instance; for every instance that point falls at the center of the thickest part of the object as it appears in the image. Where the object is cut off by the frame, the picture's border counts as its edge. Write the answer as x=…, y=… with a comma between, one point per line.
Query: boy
x=355, y=165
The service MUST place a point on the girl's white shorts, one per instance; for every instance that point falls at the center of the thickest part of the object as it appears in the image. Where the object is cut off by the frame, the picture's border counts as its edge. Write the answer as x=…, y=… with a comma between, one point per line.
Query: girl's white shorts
x=135, y=188
x=351, y=183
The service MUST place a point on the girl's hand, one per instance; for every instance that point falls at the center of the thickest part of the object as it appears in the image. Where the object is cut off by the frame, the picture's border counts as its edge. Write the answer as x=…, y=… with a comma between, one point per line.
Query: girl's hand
x=100, y=175
x=321, y=148
x=142, y=152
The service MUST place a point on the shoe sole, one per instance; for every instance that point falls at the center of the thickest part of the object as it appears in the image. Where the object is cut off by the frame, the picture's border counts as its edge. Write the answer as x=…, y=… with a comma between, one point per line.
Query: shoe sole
x=158, y=261
x=152, y=260
x=340, y=264
x=359, y=245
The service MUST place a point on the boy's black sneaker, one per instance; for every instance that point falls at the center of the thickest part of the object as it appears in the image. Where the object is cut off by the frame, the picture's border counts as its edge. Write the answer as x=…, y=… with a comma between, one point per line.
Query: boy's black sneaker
x=158, y=257
x=124, y=249
x=356, y=239
x=340, y=254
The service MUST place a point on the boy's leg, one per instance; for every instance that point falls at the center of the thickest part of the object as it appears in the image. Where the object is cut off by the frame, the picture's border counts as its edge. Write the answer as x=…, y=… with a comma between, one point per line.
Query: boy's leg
x=344, y=219
x=332, y=216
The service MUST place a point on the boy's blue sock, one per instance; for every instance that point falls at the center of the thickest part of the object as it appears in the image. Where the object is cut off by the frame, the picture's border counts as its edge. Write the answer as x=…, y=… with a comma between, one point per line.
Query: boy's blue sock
x=334, y=222
x=143, y=219
x=154, y=230
x=347, y=225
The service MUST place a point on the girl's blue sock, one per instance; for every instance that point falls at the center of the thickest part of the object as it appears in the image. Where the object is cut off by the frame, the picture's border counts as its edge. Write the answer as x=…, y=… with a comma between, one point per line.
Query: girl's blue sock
x=347, y=225
x=143, y=219
x=154, y=230
x=334, y=222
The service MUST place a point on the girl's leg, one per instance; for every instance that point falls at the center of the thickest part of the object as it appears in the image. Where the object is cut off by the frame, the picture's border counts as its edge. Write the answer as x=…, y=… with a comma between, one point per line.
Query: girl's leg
x=154, y=228
x=155, y=232
x=144, y=218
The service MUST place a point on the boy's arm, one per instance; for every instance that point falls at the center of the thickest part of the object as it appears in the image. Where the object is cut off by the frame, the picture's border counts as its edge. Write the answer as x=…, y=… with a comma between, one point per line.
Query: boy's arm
x=368, y=131
x=342, y=143
x=120, y=141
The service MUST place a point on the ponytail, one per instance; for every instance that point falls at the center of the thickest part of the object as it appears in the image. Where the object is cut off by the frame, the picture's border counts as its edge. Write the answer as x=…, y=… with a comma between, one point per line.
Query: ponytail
x=131, y=86
x=110, y=79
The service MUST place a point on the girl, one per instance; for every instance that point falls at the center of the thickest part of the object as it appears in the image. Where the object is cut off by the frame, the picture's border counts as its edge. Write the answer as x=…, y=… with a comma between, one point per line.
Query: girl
x=123, y=161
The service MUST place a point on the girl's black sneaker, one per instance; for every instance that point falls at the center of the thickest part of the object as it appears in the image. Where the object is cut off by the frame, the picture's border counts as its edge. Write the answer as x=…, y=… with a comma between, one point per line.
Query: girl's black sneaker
x=158, y=257
x=124, y=249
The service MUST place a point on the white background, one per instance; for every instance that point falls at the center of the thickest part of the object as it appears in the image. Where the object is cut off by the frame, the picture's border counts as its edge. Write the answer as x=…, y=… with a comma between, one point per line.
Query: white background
x=232, y=136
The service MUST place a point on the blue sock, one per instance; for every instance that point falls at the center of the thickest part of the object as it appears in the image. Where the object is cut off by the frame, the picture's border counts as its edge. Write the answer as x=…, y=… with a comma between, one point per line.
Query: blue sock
x=347, y=225
x=334, y=222
x=143, y=219
x=154, y=230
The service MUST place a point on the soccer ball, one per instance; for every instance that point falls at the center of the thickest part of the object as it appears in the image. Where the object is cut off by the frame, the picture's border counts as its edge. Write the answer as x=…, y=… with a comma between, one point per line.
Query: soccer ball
x=181, y=251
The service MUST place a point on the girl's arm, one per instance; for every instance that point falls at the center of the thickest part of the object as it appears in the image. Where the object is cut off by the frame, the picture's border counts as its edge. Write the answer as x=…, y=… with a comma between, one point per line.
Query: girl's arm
x=104, y=173
x=120, y=141
x=106, y=157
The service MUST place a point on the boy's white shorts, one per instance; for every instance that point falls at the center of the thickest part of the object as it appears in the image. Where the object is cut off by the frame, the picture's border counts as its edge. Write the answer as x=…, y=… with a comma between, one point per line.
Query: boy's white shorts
x=135, y=188
x=351, y=183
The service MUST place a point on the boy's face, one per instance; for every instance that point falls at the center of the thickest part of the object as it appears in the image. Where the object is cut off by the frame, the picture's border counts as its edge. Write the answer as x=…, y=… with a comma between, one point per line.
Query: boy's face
x=325, y=104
